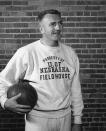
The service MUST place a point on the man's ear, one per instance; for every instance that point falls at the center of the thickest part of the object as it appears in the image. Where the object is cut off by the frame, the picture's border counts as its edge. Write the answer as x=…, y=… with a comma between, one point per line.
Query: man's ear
x=41, y=28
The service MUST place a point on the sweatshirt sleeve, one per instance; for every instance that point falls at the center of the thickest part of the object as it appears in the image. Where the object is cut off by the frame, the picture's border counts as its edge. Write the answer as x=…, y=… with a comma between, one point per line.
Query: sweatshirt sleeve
x=14, y=70
x=77, y=102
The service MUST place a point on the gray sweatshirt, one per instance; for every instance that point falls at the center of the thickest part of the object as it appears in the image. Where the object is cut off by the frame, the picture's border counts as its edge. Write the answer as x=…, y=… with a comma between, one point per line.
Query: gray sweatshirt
x=54, y=72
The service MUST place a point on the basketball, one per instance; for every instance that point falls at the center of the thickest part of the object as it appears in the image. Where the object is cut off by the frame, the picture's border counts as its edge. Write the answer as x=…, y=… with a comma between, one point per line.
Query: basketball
x=28, y=93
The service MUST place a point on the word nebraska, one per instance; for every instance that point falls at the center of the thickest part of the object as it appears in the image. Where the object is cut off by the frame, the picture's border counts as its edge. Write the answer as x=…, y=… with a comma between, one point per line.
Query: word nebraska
x=54, y=69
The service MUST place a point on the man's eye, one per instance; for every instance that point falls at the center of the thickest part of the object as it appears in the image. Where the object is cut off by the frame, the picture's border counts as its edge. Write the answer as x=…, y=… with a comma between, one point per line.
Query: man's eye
x=61, y=23
x=53, y=24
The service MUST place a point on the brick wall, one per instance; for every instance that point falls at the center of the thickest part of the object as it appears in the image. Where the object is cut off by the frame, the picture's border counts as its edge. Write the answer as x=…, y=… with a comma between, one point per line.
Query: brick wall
x=85, y=31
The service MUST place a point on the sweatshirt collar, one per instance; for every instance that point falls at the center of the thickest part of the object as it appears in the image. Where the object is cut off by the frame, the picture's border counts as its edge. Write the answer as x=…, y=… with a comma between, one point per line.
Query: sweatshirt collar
x=49, y=47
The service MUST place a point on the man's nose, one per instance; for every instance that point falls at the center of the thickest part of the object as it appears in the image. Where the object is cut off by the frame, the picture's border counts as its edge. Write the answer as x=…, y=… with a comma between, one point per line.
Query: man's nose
x=57, y=27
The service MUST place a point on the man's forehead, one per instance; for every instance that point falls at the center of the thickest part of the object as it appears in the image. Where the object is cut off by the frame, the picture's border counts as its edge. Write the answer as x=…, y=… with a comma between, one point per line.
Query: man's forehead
x=51, y=17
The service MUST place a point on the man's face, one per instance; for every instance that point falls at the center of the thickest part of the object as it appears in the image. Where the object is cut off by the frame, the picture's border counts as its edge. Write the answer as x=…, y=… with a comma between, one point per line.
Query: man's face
x=51, y=27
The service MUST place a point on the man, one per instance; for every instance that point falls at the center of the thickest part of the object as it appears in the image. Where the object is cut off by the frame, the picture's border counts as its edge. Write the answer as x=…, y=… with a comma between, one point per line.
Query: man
x=53, y=69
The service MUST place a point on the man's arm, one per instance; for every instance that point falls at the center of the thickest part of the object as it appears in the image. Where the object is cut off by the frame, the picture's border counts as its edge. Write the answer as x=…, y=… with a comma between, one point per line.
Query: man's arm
x=14, y=70
x=77, y=102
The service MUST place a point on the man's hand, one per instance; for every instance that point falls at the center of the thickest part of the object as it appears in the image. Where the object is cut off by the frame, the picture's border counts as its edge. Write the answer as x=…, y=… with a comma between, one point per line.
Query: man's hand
x=12, y=105
x=77, y=127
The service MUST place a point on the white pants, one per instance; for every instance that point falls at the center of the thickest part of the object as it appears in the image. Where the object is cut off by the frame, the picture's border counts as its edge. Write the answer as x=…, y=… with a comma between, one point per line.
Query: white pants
x=36, y=123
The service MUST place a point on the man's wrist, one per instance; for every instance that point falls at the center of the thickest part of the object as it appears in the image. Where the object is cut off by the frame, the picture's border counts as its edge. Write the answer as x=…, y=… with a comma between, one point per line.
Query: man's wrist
x=3, y=100
x=77, y=120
